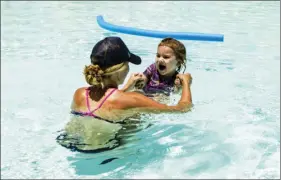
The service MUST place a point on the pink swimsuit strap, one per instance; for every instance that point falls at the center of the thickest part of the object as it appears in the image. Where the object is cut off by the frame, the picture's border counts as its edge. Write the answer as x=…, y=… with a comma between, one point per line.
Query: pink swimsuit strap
x=91, y=113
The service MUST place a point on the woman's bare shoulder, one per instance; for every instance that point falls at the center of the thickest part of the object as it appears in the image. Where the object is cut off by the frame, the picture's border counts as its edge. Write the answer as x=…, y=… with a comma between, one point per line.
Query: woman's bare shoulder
x=79, y=95
x=80, y=90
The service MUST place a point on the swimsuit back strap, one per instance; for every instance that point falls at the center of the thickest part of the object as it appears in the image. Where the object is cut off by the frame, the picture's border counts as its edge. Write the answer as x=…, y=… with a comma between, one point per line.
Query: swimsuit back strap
x=103, y=101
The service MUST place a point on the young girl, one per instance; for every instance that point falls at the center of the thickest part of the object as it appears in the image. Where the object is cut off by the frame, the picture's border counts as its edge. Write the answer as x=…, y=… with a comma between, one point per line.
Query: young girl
x=160, y=77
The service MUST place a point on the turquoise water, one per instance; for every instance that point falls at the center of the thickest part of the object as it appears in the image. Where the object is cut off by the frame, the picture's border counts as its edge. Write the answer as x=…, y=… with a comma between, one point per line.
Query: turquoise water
x=232, y=132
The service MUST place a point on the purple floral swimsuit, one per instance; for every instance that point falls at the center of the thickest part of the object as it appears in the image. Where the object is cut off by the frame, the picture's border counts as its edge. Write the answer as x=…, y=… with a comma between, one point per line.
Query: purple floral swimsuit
x=156, y=83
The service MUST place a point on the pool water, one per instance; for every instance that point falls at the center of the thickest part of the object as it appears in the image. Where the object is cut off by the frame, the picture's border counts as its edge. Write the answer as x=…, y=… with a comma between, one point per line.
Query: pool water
x=233, y=130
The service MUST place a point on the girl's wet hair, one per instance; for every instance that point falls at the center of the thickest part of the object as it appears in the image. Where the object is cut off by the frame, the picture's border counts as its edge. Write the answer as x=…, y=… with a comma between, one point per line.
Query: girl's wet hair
x=179, y=50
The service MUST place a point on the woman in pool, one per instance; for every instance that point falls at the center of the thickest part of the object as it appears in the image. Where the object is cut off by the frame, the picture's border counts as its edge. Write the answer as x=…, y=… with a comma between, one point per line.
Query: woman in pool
x=161, y=76
x=100, y=108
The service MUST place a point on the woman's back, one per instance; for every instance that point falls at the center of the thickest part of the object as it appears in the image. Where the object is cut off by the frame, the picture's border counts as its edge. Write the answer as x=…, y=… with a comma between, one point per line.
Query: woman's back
x=109, y=107
x=103, y=131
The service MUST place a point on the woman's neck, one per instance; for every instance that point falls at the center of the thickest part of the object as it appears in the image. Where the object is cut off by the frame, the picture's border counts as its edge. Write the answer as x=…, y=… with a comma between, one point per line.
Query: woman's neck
x=97, y=92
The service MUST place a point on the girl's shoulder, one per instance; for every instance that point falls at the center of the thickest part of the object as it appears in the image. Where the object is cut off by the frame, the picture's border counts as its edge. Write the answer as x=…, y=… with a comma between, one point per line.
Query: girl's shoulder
x=152, y=66
x=150, y=70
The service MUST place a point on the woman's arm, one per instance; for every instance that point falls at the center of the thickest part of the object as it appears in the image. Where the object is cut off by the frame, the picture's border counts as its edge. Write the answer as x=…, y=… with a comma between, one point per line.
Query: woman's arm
x=141, y=103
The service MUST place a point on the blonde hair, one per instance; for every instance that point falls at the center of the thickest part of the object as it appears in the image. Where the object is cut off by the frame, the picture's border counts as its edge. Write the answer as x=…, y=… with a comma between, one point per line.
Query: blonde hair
x=95, y=75
x=178, y=48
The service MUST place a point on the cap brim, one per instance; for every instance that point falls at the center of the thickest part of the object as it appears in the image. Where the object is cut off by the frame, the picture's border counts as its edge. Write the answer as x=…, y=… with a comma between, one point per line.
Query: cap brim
x=135, y=59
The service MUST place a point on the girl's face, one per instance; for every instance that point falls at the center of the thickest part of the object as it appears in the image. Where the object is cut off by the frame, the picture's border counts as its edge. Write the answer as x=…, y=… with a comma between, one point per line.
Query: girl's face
x=166, y=62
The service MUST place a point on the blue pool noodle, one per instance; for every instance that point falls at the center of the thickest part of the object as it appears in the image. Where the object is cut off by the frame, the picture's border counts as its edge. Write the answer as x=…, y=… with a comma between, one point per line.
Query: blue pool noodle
x=159, y=34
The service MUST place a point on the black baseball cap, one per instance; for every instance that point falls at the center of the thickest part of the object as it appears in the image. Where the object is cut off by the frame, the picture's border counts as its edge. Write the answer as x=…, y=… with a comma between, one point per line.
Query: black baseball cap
x=111, y=51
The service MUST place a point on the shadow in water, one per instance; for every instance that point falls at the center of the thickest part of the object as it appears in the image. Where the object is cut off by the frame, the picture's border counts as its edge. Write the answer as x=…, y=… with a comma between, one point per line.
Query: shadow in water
x=139, y=147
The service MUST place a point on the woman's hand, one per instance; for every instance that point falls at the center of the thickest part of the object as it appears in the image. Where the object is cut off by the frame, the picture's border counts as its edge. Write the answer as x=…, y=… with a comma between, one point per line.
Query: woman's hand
x=141, y=82
x=184, y=78
x=186, y=99
x=177, y=85
x=134, y=78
